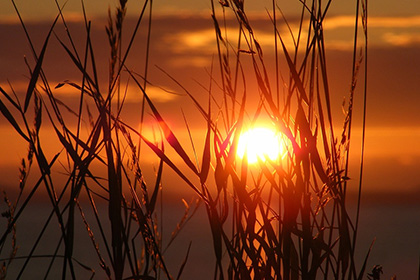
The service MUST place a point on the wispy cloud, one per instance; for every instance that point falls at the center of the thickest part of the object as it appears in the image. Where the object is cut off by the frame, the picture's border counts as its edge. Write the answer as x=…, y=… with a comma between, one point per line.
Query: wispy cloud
x=373, y=22
x=156, y=93
x=9, y=20
x=186, y=41
x=70, y=17
x=394, y=22
x=383, y=31
x=133, y=94
x=339, y=30
x=402, y=39
x=204, y=41
x=388, y=139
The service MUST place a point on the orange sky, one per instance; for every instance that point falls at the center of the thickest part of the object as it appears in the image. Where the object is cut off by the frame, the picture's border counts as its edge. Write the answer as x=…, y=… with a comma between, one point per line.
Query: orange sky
x=183, y=45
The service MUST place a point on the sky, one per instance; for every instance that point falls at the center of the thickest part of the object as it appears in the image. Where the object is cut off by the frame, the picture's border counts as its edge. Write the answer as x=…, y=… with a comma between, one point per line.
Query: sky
x=183, y=45
x=45, y=8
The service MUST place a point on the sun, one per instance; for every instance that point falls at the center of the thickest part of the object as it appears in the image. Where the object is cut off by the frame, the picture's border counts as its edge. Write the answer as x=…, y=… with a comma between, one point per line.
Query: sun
x=260, y=143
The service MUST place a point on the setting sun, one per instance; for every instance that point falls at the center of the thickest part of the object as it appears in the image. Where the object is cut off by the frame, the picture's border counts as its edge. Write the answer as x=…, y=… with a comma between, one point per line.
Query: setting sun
x=260, y=143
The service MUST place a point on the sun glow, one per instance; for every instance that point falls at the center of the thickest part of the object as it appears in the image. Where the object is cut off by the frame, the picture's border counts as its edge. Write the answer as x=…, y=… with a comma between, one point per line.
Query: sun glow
x=260, y=143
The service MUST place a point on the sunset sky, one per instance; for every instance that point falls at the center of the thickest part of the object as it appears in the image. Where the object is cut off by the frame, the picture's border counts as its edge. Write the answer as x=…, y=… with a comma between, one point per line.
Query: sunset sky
x=183, y=45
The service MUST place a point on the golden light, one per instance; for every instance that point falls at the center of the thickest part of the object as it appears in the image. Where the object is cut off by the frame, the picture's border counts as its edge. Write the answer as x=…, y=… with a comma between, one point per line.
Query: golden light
x=260, y=143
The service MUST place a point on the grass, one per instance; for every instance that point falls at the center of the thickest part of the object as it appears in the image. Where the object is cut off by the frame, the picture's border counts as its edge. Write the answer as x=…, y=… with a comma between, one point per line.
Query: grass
x=285, y=219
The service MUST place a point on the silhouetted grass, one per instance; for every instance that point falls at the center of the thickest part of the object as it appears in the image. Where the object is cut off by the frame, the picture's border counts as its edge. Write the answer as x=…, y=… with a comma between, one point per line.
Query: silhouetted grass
x=285, y=219
x=131, y=247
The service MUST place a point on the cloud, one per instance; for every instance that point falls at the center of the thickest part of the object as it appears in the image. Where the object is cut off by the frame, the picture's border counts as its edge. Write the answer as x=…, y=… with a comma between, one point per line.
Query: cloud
x=9, y=20
x=133, y=94
x=196, y=41
x=338, y=22
x=389, y=139
x=402, y=39
x=394, y=31
x=203, y=42
x=339, y=34
x=155, y=93
x=70, y=17
x=382, y=31
x=394, y=22
x=373, y=22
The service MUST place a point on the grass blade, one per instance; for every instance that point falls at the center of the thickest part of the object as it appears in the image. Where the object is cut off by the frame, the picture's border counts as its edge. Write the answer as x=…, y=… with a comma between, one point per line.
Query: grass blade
x=163, y=157
x=38, y=69
x=153, y=199
x=205, y=165
x=169, y=135
x=9, y=98
x=362, y=271
x=184, y=262
x=6, y=113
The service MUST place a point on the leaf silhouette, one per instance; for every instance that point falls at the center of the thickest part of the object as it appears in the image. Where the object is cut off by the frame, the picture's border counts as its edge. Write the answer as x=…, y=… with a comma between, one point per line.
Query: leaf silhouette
x=12, y=120
x=37, y=69
x=169, y=135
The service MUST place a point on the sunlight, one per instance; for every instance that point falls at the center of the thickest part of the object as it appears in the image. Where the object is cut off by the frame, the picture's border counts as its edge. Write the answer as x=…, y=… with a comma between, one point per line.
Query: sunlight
x=260, y=143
